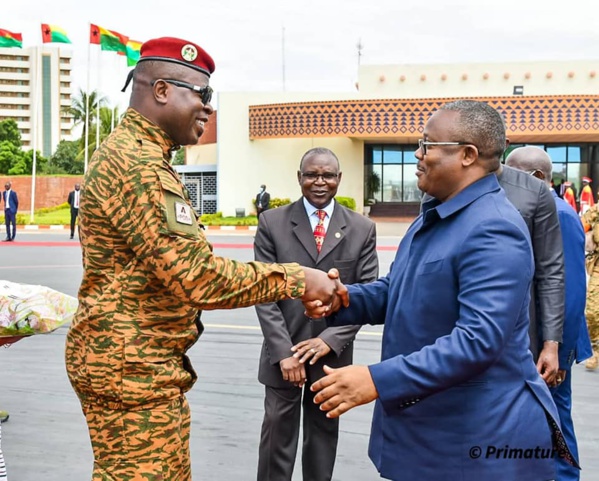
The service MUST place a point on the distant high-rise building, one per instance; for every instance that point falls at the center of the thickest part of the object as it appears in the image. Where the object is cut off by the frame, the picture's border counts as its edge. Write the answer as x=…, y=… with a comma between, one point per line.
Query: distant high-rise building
x=48, y=69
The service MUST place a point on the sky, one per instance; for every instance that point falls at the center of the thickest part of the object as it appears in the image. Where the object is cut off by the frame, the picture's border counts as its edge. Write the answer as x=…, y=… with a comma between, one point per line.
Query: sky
x=311, y=45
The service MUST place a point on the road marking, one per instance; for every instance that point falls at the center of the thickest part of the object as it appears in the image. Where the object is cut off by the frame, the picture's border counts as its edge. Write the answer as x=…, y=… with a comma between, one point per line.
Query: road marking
x=257, y=328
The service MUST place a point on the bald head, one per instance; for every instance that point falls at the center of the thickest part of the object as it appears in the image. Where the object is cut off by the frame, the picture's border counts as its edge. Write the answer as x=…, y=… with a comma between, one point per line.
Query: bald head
x=529, y=159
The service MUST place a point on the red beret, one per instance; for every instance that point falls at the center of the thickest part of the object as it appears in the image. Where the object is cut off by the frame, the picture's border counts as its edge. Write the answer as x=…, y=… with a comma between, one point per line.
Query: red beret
x=176, y=50
x=587, y=179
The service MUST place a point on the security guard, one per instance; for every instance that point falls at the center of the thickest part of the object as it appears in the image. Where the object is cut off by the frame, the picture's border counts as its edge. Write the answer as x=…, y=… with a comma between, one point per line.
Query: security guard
x=590, y=221
x=148, y=269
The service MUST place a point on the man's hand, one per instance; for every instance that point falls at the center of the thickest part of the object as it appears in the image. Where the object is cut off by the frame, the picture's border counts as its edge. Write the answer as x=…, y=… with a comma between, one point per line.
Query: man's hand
x=548, y=363
x=310, y=349
x=343, y=389
x=293, y=371
x=316, y=308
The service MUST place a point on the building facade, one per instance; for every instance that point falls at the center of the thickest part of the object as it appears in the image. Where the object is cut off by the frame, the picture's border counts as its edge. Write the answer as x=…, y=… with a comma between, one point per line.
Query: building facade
x=260, y=137
x=35, y=88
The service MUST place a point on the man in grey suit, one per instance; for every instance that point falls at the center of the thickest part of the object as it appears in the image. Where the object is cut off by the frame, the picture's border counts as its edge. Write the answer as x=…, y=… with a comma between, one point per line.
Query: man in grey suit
x=314, y=231
x=533, y=200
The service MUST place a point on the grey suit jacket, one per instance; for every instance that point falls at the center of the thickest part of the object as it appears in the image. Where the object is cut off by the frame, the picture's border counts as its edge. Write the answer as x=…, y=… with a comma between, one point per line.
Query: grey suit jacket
x=535, y=203
x=285, y=235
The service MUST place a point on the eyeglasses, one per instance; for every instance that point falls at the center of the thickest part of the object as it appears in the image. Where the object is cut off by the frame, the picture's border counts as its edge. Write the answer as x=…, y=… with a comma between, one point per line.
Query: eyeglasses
x=423, y=144
x=205, y=93
x=327, y=176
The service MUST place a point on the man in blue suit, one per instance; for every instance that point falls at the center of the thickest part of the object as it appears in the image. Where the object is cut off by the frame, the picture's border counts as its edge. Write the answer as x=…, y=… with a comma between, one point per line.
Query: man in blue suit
x=457, y=393
x=576, y=345
x=11, y=205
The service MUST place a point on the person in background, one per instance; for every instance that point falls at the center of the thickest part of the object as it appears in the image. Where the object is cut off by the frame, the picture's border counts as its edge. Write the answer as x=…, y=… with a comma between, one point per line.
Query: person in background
x=586, y=200
x=262, y=201
x=318, y=232
x=73, y=201
x=576, y=345
x=148, y=270
x=569, y=196
x=590, y=221
x=11, y=206
x=456, y=380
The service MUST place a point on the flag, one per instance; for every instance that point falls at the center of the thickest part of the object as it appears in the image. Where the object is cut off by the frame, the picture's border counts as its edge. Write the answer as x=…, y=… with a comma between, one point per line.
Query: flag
x=9, y=39
x=108, y=39
x=133, y=48
x=52, y=33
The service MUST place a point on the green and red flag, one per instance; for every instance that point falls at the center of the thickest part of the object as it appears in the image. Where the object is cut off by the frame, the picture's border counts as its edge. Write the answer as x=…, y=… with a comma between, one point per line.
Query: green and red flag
x=108, y=39
x=10, y=39
x=54, y=34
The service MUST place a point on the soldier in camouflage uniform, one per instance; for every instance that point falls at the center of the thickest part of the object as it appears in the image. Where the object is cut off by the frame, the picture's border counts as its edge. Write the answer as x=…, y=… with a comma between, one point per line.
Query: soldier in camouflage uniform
x=590, y=220
x=148, y=269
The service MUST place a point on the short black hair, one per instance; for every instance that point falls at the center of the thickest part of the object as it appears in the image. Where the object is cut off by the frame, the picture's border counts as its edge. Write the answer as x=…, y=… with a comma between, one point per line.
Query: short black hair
x=318, y=151
x=480, y=124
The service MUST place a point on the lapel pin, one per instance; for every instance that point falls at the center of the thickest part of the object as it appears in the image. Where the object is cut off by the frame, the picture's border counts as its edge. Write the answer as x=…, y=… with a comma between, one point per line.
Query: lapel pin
x=337, y=235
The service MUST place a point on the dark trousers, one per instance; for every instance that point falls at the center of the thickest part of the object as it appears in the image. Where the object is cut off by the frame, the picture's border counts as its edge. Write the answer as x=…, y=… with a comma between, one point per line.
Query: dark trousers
x=562, y=395
x=74, y=214
x=10, y=218
x=280, y=435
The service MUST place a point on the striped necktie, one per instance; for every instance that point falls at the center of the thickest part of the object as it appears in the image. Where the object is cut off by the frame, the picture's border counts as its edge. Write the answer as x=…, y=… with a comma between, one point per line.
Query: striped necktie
x=319, y=232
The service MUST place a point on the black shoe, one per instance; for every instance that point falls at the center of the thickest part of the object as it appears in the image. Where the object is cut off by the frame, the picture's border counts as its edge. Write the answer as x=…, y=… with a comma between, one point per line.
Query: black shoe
x=6, y=240
x=71, y=237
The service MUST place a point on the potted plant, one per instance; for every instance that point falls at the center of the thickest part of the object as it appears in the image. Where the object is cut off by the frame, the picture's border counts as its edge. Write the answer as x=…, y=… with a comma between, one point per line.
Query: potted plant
x=373, y=184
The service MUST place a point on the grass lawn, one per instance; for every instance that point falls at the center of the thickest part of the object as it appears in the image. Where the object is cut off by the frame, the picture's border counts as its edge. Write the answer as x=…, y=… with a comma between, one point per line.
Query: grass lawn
x=62, y=216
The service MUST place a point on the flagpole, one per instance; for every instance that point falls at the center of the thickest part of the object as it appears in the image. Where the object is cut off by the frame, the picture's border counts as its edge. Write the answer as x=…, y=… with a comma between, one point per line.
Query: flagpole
x=86, y=140
x=35, y=113
x=98, y=99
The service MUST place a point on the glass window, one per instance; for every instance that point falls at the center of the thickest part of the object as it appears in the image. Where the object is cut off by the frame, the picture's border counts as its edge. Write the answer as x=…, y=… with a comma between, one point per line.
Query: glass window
x=558, y=153
x=392, y=154
x=392, y=183
x=574, y=153
x=378, y=169
x=411, y=193
x=408, y=155
x=377, y=155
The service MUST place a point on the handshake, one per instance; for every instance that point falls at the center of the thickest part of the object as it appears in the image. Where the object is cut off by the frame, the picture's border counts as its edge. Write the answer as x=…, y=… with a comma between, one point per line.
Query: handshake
x=324, y=293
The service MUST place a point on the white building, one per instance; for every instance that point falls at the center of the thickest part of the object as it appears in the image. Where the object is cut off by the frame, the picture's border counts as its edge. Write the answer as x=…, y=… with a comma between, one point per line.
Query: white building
x=35, y=87
x=259, y=138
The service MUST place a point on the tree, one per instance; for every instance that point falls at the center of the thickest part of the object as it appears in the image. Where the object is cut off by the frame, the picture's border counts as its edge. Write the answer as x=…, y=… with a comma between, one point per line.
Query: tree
x=64, y=160
x=9, y=131
x=179, y=158
x=23, y=163
x=77, y=111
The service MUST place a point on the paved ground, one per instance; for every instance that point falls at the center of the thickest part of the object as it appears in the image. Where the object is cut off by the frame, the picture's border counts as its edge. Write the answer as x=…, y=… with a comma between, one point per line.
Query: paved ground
x=46, y=437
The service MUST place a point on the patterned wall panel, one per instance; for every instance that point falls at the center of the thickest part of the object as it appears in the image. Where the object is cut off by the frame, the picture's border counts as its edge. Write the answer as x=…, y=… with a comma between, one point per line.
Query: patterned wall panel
x=574, y=118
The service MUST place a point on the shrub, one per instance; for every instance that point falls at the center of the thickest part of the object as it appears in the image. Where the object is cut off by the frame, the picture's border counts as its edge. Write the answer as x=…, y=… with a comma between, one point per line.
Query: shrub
x=348, y=202
x=278, y=202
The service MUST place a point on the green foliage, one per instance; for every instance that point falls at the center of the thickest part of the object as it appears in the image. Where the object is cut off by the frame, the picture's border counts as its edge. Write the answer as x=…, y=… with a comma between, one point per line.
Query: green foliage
x=348, y=202
x=9, y=131
x=278, y=202
x=23, y=163
x=218, y=219
x=373, y=185
x=179, y=158
x=64, y=160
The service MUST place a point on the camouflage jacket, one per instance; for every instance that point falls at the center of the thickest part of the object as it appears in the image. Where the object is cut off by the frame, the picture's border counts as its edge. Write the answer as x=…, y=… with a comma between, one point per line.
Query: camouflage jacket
x=148, y=269
x=590, y=221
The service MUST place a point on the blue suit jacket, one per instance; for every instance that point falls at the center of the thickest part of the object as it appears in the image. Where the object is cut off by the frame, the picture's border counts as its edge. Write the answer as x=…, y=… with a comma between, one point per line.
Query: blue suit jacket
x=457, y=381
x=576, y=345
x=14, y=201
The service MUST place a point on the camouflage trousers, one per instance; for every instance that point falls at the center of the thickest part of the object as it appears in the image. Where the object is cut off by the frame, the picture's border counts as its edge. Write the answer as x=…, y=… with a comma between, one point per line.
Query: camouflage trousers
x=592, y=309
x=140, y=445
